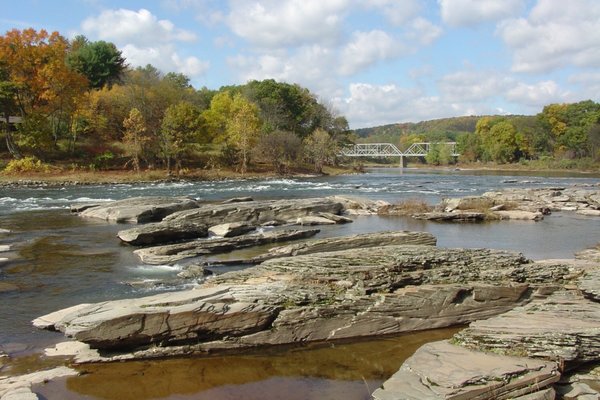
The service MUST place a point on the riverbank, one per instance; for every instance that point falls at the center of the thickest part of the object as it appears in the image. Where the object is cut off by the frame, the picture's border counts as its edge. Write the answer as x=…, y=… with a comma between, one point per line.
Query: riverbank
x=68, y=178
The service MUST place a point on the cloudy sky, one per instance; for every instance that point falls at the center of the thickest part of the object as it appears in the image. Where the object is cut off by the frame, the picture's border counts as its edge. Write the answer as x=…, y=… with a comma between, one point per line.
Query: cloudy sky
x=375, y=61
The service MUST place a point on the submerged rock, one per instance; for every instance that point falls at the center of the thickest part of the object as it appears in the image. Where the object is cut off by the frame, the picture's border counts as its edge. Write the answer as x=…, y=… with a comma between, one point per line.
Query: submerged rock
x=441, y=370
x=139, y=209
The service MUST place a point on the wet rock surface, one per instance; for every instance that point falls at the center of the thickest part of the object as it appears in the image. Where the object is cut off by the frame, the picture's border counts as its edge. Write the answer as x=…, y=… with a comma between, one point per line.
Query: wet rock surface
x=157, y=233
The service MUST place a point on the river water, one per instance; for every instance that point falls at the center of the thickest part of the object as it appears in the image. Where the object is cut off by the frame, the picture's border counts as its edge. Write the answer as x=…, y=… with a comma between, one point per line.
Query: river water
x=57, y=260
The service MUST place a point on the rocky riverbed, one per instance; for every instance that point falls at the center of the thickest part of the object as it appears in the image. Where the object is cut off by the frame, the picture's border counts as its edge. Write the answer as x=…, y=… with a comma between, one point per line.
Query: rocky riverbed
x=349, y=288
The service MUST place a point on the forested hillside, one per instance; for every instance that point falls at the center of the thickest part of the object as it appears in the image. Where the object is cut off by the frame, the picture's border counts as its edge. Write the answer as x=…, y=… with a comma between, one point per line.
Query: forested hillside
x=565, y=133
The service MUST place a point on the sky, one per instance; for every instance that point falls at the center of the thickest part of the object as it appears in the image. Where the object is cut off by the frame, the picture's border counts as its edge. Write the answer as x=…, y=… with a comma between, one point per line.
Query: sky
x=374, y=61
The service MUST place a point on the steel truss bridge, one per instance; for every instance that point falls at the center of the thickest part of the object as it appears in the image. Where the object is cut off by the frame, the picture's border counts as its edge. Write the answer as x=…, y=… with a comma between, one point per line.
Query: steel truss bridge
x=389, y=150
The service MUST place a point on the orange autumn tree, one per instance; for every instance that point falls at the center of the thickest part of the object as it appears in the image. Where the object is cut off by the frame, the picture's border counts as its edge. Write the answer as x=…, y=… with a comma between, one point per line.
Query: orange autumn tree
x=46, y=91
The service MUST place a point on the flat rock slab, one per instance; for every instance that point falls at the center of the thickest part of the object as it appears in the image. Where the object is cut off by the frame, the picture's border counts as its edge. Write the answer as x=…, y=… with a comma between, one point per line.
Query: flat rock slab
x=441, y=370
x=169, y=254
x=564, y=327
x=139, y=209
x=362, y=292
x=364, y=240
x=157, y=233
x=451, y=216
x=232, y=229
x=19, y=387
x=257, y=212
x=520, y=215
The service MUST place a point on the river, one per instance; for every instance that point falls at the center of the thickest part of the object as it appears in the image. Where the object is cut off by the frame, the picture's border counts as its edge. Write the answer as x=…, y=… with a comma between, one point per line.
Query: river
x=57, y=260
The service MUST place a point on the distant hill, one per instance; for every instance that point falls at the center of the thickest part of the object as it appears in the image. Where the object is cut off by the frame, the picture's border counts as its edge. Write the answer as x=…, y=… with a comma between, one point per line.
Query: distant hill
x=436, y=129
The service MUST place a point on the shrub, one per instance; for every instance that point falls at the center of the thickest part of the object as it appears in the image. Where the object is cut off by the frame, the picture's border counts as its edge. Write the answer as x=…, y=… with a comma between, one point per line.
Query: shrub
x=406, y=207
x=25, y=165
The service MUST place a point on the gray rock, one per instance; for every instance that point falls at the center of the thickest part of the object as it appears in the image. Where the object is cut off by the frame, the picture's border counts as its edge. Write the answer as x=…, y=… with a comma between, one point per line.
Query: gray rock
x=441, y=370
x=310, y=220
x=451, y=216
x=520, y=215
x=157, y=233
x=351, y=242
x=591, y=213
x=231, y=229
x=347, y=294
x=19, y=387
x=169, y=254
x=564, y=327
x=139, y=209
x=354, y=205
x=238, y=200
x=256, y=212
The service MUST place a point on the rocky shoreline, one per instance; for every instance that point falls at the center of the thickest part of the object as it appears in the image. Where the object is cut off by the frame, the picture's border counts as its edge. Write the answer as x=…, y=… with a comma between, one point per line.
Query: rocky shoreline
x=534, y=328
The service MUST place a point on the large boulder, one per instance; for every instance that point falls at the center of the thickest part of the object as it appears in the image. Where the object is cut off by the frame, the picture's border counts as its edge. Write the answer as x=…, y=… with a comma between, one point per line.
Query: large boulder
x=139, y=209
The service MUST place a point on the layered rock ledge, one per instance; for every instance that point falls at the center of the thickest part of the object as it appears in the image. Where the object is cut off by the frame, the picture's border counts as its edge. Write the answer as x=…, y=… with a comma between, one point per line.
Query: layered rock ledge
x=509, y=204
x=320, y=297
x=136, y=209
x=550, y=336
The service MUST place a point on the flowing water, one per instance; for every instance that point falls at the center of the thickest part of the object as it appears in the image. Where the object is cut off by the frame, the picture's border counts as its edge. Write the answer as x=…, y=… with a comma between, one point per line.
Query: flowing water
x=57, y=259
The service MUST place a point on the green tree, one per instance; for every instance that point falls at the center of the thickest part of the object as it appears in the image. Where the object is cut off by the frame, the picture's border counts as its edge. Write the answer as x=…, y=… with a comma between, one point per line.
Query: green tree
x=100, y=62
x=319, y=148
x=243, y=127
x=181, y=129
x=281, y=149
x=135, y=138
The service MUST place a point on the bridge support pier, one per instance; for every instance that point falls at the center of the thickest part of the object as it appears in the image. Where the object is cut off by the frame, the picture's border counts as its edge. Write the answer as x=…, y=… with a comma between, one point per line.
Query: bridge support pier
x=403, y=162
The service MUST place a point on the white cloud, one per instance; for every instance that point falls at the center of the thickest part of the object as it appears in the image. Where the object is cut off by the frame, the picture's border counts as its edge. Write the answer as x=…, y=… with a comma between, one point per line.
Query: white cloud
x=145, y=39
x=280, y=23
x=367, y=48
x=423, y=32
x=165, y=58
x=555, y=35
x=397, y=12
x=538, y=94
x=139, y=27
x=469, y=86
x=308, y=66
x=373, y=105
x=473, y=12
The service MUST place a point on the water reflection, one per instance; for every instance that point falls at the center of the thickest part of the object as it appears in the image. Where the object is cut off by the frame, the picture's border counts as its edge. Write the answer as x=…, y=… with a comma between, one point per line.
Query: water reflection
x=344, y=371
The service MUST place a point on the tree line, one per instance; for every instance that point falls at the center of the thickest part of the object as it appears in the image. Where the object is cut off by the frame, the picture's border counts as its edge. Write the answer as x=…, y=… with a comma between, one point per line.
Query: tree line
x=561, y=134
x=78, y=100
